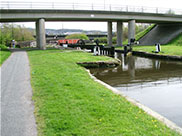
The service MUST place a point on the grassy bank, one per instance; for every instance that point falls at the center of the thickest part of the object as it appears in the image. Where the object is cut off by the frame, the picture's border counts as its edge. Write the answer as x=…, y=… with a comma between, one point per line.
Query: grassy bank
x=173, y=48
x=166, y=49
x=141, y=34
x=69, y=103
x=144, y=32
x=4, y=54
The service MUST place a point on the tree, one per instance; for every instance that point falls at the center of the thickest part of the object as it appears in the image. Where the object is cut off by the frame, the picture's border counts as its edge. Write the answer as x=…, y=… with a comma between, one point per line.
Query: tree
x=16, y=32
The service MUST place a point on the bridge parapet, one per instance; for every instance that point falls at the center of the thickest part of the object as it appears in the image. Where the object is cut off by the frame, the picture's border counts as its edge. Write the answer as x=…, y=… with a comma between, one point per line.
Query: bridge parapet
x=86, y=6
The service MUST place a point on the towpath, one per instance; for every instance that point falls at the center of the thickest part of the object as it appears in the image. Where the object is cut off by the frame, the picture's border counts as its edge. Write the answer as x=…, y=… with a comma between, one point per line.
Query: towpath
x=17, y=118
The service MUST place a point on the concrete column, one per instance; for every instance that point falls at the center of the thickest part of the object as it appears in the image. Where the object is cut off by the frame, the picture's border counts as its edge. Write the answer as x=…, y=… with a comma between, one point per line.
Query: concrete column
x=131, y=30
x=109, y=33
x=37, y=33
x=119, y=33
x=40, y=34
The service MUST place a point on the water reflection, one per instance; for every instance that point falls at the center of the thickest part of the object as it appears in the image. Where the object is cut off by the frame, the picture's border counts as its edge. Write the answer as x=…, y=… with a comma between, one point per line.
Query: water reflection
x=155, y=83
x=139, y=70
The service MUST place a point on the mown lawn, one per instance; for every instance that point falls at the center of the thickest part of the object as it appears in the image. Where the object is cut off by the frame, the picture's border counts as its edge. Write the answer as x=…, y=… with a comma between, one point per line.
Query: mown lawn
x=165, y=49
x=4, y=54
x=69, y=103
x=173, y=48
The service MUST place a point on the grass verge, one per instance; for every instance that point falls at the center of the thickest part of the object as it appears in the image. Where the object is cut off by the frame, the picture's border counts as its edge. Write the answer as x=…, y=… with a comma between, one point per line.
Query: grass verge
x=171, y=50
x=144, y=32
x=4, y=54
x=69, y=103
x=174, y=48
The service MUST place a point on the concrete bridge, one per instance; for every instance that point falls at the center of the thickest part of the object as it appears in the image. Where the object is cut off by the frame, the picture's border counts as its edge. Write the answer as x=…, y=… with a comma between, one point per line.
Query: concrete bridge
x=10, y=13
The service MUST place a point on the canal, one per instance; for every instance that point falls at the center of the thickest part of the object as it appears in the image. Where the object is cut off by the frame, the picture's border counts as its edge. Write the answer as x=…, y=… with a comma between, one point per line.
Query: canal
x=154, y=83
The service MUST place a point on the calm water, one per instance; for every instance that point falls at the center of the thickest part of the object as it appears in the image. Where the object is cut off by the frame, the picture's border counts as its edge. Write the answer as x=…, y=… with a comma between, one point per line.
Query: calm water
x=154, y=83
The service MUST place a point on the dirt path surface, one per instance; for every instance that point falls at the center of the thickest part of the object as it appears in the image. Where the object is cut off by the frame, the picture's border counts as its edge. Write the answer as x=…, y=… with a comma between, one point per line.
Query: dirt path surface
x=17, y=118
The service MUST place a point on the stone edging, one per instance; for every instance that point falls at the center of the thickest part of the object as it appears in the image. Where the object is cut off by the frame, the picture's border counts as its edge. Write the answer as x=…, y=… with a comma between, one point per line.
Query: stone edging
x=157, y=56
x=152, y=113
x=100, y=64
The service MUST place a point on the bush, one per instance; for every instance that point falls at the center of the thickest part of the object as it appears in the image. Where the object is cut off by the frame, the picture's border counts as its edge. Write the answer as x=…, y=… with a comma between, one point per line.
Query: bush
x=114, y=40
x=2, y=46
x=77, y=36
x=102, y=40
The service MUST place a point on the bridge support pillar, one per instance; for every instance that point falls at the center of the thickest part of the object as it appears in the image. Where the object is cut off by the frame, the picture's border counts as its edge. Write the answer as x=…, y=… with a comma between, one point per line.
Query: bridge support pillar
x=109, y=33
x=40, y=34
x=37, y=34
x=131, y=30
x=119, y=33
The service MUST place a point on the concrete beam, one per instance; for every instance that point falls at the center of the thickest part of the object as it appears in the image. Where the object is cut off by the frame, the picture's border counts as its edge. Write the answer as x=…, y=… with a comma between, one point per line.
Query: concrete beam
x=119, y=33
x=109, y=33
x=131, y=30
x=23, y=15
x=40, y=30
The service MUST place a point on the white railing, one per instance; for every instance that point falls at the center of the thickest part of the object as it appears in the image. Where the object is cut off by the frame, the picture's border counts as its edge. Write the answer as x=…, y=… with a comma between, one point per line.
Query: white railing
x=86, y=6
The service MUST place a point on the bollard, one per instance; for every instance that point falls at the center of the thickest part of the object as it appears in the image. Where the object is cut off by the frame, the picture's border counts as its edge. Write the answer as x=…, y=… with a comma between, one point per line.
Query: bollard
x=158, y=47
x=125, y=49
x=96, y=50
x=112, y=51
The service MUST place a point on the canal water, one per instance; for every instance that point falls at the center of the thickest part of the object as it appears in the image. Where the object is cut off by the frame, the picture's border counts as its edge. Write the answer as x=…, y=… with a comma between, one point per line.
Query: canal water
x=154, y=83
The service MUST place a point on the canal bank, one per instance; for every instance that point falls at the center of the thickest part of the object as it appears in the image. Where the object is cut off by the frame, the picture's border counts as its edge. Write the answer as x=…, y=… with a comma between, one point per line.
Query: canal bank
x=147, y=110
x=154, y=83
x=69, y=102
x=154, y=55
x=157, y=56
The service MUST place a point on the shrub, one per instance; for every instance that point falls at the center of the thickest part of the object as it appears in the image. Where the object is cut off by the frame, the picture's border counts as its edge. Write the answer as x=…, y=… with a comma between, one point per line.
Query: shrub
x=102, y=40
x=114, y=40
x=2, y=46
x=77, y=36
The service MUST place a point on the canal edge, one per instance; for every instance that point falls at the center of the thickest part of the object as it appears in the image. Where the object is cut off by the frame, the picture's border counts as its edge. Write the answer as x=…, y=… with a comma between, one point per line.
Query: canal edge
x=149, y=111
x=157, y=56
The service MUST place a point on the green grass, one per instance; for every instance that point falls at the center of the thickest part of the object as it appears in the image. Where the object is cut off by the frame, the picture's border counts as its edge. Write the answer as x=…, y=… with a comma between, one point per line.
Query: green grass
x=141, y=34
x=173, y=48
x=4, y=54
x=69, y=103
x=144, y=32
x=177, y=41
x=166, y=49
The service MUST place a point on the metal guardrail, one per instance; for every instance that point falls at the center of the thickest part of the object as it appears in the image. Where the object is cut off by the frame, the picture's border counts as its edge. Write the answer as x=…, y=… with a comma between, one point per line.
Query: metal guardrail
x=86, y=6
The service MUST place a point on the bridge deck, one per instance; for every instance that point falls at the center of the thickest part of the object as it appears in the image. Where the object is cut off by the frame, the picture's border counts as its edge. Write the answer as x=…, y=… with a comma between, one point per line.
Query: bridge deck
x=22, y=15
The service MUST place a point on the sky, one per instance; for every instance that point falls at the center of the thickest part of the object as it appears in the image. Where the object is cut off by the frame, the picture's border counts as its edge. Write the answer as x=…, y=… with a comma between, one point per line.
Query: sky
x=171, y=4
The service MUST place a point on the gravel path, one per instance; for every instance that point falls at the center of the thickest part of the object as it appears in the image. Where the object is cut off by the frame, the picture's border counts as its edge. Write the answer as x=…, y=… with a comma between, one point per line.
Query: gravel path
x=17, y=118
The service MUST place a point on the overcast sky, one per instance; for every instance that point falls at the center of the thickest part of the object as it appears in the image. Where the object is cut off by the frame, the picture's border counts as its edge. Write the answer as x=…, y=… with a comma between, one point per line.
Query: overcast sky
x=173, y=4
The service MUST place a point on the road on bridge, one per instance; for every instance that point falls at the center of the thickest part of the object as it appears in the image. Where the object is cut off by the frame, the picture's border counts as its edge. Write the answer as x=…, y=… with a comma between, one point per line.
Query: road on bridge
x=17, y=118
